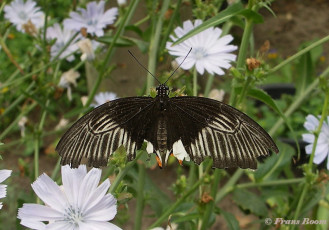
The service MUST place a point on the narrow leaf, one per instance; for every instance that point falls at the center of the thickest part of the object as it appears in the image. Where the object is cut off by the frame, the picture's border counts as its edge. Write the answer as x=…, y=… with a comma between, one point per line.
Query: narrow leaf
x=265, y=98
x=250, y=201
x=252, y=15
x=223, y=16
x=232, y=222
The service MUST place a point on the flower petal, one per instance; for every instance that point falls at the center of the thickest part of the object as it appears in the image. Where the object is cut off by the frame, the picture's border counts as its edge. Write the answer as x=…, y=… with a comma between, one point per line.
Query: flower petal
x=4, y=174
x=72, y=181
x=49, y=192
x=33, y=224
x=311, y=123
x=37, y=212
x=96, y=225
x=319, y=157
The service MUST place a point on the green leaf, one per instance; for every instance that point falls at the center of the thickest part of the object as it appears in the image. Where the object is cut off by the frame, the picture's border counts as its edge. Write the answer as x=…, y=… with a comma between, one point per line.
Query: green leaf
x=315, y=194
x=134, y=28
x=265, y=98
x=154, y=196
x=252, y=15
x=119, y=42
x=125, y=42
x=305, y=71
x=323, y=214
x=142, y=45
x=186, y=217
x=250, y=201
x=232, y=222
x=223, y=16
x=275, y=163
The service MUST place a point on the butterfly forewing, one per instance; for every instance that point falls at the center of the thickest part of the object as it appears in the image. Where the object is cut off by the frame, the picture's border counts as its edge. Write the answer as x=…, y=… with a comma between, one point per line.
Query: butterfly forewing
x=214, y=129
x=100, y=132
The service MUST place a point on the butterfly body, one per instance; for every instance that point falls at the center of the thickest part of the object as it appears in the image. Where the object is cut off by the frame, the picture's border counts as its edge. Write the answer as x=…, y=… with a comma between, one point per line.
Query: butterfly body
x=191, y=128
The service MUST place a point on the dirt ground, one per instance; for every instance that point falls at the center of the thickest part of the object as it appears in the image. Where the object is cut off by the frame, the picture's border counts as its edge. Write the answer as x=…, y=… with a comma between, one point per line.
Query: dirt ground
x=296, y=22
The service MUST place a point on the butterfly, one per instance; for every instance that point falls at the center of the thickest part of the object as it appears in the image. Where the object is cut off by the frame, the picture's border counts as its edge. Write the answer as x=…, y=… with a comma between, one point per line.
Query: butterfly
x=190, y=128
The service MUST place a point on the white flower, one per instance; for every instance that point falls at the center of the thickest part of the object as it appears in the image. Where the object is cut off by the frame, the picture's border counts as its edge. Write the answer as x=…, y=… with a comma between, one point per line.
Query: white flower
x=102, y=98
x=210, y=52
x=172, y=226
x=84, y=100
x=69, y=78
x=217, y=94
x=79, y=204
x=4, y=174
x=94, y=19
x=21, y=124
x=87, y=50
x=20, y=13
x=322, y=148
x=62, y=123
x=62, y=36
x=122, y=2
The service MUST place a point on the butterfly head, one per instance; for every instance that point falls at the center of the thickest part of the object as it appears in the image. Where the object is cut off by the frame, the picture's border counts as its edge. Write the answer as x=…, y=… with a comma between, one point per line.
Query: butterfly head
x=162, y=90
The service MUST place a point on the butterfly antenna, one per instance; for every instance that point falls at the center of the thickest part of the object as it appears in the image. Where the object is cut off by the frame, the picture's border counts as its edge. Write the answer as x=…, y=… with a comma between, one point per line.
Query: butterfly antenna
x=143, y=66
x=179, y=65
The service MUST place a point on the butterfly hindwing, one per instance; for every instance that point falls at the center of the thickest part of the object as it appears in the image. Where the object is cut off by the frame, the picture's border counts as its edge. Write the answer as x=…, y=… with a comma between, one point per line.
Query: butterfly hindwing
x=100, y=132
x=213, y=129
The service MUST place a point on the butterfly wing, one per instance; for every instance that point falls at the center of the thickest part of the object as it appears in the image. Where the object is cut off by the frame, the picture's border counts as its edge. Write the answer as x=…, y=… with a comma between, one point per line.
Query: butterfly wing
x=209, y=128
x=100, y=132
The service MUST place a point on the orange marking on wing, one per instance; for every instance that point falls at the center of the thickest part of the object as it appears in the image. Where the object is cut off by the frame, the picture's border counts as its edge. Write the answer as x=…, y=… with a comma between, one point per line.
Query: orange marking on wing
x=159, y=161
x=180, y=162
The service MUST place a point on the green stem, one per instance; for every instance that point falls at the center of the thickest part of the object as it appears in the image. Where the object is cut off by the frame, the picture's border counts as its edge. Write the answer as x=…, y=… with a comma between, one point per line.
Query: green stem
x=310, y=163
x=56, y=169
x=12, y=125
x=270, y=183
x=209, y=84
x=244, y=91
x=195, y=82
x=170, y=25
x=104, y=67
x=211, y=204
x=154, y=46
x=228, y=187
x=298, y=101
x=17, y=101
x=95, y=87
x=298, y=54
x=145, y=19
x=172, y=208
x=318, y=130
x=123, y=172
x=54, y=61
x=36, y=160
x=140, y=197
x=300, y=202
x=9, y=55
x=242, y=56
x=274, y=168
x=37, y=141
x=65, y=46
x=36, y=155
x=193, y=167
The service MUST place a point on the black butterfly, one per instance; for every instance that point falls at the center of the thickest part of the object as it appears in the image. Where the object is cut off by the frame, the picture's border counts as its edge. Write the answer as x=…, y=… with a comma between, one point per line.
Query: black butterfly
x=188, y=127
x=191, y=128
